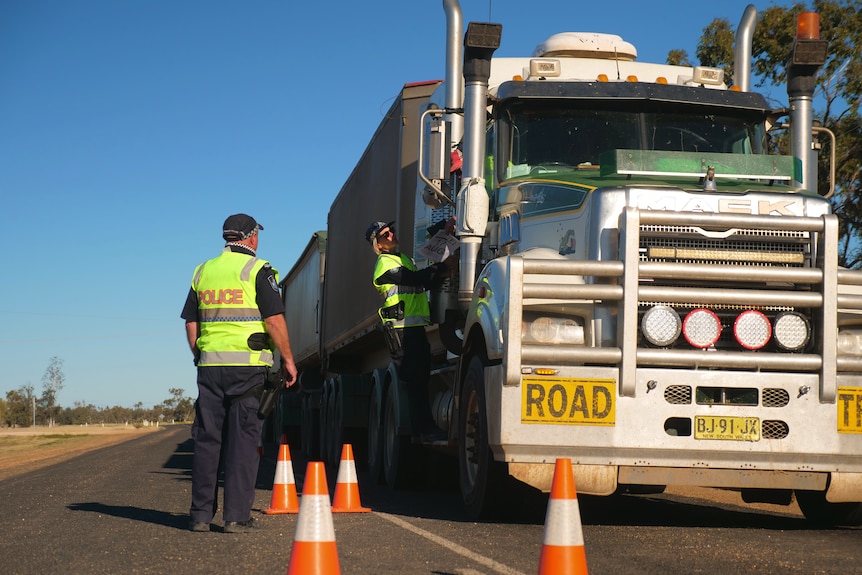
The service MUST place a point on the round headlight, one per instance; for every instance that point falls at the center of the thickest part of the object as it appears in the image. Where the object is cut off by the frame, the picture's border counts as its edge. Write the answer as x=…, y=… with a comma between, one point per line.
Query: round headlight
x=752, y=329
x=553, y=330
x=791, y=331
x=849, y=342
x=543, y=329
x=661, y=325
x=701, y=328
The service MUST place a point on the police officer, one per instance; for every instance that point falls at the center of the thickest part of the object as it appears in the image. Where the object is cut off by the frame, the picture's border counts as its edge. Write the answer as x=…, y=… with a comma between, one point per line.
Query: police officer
x=404, y=315
x=234, y=319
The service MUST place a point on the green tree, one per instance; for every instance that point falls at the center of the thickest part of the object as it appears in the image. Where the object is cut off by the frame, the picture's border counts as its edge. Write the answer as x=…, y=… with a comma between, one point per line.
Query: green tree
x=839, y=89
x=178, y=407
x=19, y=406
x=678, y=58
x=80, y=414
x=715, y=48
x=52, y=383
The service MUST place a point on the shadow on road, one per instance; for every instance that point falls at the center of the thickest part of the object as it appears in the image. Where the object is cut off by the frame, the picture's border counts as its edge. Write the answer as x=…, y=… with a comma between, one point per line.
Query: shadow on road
x=522, y=505
x=525, y=505
x=179, y=521
x=181, y=458
x=662, y=511
x=178, y=464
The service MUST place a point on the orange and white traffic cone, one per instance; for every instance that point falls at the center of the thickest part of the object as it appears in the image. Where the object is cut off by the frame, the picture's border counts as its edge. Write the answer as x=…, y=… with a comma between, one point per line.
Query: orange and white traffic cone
x=563, y=539
x=346, y=498
x=284, y=499
x=314, y=551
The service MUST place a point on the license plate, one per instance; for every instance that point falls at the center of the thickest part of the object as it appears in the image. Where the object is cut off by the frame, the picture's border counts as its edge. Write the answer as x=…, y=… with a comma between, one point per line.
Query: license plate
x=568, y=401
x=728, y=428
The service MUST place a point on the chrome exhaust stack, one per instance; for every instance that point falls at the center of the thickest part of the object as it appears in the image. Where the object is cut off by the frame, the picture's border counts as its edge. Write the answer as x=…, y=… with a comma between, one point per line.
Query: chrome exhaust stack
x=742, y=49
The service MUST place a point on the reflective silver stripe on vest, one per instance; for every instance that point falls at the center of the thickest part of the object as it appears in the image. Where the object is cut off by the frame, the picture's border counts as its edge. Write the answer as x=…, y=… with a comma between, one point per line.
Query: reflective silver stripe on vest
x=412, y=321
x=229, y=314
x=234, y=357
x=197, y=279
x=245, y=274
x=394, y=290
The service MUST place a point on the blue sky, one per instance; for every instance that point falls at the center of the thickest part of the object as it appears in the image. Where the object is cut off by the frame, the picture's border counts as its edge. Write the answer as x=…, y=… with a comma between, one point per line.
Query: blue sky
x=129, y=129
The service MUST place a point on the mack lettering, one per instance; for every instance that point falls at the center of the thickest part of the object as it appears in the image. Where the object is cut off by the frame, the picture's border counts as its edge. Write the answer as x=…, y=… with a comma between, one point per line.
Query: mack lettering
x=724, y=206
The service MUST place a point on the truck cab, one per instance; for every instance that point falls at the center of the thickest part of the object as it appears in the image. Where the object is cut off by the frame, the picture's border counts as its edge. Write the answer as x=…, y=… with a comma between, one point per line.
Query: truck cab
x=655, y=293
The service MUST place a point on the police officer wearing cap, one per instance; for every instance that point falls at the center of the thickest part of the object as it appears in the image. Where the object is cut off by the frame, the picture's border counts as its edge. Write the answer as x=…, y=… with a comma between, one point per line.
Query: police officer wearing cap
x=405, y=314
x=234, y=321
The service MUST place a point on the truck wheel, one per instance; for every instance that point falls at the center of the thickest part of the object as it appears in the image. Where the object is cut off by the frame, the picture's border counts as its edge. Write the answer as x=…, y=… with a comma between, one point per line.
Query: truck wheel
x=482, y=478
x=823, y=513
x=324, y=419
x=310, y=428
x=375, y=435
x=396, y=448
x=335, y=427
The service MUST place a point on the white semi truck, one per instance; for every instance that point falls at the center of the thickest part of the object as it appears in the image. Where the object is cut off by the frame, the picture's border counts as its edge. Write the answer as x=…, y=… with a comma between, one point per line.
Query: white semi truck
x=643, y=287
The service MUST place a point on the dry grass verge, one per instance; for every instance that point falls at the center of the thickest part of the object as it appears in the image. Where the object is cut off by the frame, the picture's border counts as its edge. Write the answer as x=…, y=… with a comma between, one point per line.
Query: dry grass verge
x=30, y=448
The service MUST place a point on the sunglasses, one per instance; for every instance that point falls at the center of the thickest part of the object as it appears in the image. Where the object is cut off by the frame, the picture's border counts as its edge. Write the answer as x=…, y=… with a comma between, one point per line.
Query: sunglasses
x=386, y=233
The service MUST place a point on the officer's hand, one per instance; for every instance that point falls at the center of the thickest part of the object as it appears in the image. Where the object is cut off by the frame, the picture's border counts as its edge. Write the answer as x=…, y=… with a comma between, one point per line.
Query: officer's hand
x=450, y=226
x=289, y=372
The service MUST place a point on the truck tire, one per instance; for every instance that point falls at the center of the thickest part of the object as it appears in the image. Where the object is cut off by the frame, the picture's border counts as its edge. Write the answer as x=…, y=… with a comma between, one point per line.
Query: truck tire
x=333, y=442
x=324, y=419
x=825, y=514
x=328, y=431
x=482, y=479
x=396, y=448
x=310, y=435
x=375, y=434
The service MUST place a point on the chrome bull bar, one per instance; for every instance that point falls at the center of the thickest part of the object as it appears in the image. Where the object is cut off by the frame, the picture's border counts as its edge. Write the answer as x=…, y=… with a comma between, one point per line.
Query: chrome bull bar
x=623, y=284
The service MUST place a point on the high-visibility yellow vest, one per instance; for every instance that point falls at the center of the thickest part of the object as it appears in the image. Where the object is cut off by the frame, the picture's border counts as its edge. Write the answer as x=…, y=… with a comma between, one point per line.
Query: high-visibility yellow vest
x=416, y=311
x=228, y=312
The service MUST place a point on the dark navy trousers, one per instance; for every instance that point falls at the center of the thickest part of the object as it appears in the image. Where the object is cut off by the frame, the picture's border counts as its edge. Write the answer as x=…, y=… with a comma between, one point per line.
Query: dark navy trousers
x=226, y=433
x=413, y=365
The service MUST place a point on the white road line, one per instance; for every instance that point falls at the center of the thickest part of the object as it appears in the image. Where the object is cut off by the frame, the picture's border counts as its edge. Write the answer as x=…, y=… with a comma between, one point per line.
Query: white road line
x=454, y=547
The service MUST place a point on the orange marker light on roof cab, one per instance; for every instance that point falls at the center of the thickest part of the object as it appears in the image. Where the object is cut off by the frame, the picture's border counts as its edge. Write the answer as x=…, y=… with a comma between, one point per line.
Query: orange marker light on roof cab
x=808, y=26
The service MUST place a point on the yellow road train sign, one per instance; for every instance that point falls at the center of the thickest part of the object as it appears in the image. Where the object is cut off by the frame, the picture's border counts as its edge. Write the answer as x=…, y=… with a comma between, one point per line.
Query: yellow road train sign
x=850, y=410
x=568, y=401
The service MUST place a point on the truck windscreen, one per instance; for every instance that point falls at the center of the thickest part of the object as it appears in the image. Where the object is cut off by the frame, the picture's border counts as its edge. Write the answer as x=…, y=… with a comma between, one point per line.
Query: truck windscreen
x=533, y=136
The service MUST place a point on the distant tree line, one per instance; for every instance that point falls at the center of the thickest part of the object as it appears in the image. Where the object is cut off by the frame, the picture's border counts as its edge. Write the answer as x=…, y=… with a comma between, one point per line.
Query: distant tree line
x=23, y=408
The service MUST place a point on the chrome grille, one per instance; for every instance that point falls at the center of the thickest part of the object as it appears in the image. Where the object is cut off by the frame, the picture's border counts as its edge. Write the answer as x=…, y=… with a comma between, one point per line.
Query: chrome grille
x=717, y=246
x=736, y=246
x=750, y=233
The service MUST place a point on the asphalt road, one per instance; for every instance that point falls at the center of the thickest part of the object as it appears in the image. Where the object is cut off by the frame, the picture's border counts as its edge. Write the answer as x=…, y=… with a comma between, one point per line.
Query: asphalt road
x=123, y=509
